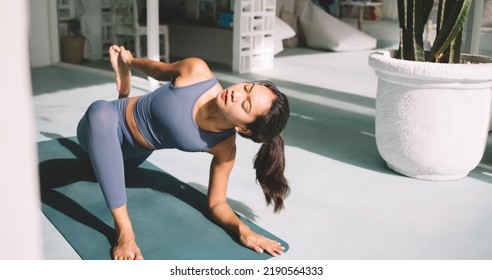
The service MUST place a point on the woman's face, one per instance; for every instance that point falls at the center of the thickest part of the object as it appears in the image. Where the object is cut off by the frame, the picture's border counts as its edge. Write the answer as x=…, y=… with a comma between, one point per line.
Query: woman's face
x=242, y=103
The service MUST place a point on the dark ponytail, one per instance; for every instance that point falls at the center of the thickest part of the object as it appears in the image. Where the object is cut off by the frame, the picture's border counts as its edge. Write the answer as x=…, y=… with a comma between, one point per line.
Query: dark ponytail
x=269, y=162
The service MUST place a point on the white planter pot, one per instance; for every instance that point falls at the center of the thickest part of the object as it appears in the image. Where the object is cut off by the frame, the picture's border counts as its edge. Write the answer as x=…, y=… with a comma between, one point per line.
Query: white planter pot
x=432, y=119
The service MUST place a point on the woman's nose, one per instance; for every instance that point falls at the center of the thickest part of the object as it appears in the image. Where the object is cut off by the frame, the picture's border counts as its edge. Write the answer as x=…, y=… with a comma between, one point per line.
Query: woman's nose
x=237, y=95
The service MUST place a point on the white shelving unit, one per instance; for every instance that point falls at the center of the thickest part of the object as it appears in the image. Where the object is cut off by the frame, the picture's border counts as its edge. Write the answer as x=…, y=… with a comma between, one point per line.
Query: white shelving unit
x=254, y=24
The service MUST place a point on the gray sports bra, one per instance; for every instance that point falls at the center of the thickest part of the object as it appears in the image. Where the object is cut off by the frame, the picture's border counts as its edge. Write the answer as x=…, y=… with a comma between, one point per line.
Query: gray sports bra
x=165, y=118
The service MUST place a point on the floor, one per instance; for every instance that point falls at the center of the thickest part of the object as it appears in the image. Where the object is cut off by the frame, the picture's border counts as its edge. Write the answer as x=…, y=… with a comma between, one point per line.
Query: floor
x=345, y=203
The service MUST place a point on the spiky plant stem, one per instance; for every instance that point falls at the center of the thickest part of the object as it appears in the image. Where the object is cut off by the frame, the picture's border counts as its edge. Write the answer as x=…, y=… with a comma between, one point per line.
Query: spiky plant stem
x=413, y=14
x=451, y=18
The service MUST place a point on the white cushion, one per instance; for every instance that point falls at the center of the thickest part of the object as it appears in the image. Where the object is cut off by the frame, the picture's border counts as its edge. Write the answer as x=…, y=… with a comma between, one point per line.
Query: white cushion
x=282, y=31
x=487, y=13
x=390, y=9
x=323, y=31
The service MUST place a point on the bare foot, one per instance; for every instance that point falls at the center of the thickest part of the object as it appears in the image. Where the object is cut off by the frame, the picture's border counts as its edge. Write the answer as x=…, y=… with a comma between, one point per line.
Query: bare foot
x=122, y=71
x=126, y=247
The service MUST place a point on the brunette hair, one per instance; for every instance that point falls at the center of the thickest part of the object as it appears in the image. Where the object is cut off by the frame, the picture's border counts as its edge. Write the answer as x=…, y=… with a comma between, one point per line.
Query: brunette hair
x=269, y=162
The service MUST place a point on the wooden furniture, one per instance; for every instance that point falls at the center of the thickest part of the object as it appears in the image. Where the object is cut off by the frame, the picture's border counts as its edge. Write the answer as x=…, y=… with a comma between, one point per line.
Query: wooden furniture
x=361, y=6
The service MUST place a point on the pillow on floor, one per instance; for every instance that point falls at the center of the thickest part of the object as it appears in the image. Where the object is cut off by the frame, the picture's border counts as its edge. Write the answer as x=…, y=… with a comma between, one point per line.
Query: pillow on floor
x=390, y=9
x=487, y=13
x=323, y=31
x=282, y=31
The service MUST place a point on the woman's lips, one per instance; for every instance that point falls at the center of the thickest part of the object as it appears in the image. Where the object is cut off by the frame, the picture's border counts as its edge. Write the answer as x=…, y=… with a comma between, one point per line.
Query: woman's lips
x=224, y=96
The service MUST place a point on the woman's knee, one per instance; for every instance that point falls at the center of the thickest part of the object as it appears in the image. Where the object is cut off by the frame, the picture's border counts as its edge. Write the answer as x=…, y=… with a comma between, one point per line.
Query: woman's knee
x=102, y=114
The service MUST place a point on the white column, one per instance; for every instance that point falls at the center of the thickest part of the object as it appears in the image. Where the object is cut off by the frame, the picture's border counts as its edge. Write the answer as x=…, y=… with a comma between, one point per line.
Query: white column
x=153, y=34
x=20, y=234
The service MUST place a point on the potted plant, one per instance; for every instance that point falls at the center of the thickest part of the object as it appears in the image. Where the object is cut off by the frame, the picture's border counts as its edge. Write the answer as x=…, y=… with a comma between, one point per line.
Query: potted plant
x=432, y=107
x=72, y=44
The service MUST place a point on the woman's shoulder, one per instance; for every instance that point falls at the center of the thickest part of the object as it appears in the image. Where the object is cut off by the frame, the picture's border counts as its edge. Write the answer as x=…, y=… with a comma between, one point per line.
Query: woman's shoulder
x=225, y=148
x=193, y=70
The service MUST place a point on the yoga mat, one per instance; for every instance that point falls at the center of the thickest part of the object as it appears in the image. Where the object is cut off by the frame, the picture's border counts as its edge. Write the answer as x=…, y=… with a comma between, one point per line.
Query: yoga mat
x=169, y=217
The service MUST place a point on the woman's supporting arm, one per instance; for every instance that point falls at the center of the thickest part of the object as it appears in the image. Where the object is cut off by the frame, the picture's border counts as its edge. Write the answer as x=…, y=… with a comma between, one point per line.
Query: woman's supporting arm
x=220, y=168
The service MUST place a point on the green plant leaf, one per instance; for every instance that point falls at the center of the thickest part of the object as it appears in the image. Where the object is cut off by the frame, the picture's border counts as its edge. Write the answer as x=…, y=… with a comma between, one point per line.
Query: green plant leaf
x=451, y=27
x=412, y=17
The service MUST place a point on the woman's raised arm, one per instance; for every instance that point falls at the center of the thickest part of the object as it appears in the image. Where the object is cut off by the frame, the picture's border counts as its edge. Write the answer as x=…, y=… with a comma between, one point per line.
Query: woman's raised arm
x=183, y=72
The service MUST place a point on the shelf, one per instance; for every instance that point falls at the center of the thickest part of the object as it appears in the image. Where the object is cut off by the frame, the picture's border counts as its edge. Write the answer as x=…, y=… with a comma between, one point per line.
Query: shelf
x=253, y=43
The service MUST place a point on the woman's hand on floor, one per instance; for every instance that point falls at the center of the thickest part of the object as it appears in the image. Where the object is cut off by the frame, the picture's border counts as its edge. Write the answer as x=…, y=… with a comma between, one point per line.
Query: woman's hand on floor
x=259, y=243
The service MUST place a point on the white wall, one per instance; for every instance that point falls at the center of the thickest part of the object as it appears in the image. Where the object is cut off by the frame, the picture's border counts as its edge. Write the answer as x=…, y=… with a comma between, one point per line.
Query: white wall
x=43, y=47
x=20, y=234
x=44, y=40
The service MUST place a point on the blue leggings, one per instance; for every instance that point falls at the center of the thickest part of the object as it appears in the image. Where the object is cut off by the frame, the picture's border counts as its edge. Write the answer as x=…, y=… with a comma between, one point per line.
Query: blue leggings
x=103, y=134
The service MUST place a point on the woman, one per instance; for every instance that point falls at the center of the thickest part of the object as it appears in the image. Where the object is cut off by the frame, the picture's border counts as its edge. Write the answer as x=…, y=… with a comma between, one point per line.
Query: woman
x=191, y=113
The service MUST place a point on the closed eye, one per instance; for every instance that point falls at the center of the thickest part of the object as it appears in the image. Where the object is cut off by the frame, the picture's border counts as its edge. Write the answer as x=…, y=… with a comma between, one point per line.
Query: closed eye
x=247, y=106
x=247, y=102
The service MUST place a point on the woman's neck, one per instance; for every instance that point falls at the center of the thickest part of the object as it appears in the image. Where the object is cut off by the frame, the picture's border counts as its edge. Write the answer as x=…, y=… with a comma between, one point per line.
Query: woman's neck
x=209, y=117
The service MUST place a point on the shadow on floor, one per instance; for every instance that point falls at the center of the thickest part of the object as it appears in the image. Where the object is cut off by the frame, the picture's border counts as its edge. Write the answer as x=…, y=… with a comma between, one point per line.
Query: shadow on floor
x=52, y=79
x=63, y=189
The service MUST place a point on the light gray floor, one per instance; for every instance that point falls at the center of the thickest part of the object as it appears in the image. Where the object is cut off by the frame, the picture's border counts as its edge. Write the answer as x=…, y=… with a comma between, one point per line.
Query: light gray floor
x=345, y=203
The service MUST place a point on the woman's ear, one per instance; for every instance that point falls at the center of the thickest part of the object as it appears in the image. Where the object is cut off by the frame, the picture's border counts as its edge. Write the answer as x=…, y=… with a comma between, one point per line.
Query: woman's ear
x=243, y=130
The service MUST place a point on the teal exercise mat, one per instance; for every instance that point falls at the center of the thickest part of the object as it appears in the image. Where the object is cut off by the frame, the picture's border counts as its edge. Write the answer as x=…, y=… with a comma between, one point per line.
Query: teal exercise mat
x=169, y=217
